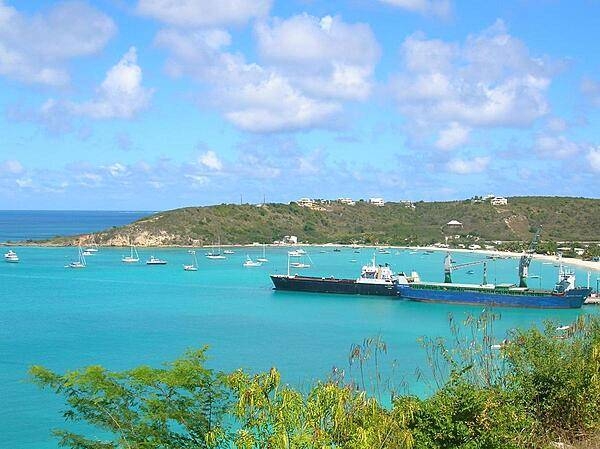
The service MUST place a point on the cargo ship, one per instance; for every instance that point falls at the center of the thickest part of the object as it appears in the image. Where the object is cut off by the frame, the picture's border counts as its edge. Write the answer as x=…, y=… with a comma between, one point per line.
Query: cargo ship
x=373, y=280
x=564, y=295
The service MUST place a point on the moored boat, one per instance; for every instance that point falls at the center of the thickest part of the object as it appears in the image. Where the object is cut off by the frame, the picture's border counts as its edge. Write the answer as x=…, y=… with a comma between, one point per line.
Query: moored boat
x=564, y=295
x=155, y=261
x=374, y=280
x=11, y=257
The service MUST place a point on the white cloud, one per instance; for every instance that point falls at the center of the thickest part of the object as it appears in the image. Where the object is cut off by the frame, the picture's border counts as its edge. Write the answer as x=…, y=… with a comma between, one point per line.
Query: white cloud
x=489, y=81
x=310, y=67
x=558, y=147
x=441, y=8
x=34, y=49
x=121, y=94
x=117, y=170
x=326, y=57
x=274, y=105
x=11, y=166
x=454, y=136
x=203, y=13
x=593, y=158
x=590, y=88
x=211, y=160
x=24, y=183
x=468, y=166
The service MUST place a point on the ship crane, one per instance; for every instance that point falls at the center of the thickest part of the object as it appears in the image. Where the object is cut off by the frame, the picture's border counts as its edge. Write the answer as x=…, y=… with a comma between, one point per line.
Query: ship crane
x=449, y=267
x=526, y=259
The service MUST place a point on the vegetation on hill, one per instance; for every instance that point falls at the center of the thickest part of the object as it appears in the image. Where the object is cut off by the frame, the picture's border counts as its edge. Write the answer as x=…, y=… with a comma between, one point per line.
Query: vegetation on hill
x=537, y=389
x=563, y=219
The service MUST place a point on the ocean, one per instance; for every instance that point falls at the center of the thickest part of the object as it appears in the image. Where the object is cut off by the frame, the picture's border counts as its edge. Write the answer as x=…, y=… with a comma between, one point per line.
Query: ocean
x=121, y=316
x=20, y=225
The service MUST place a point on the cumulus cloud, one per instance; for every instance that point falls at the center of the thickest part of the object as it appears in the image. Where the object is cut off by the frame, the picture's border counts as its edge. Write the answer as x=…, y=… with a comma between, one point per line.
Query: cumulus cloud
x=440, y=8
x=468, y=166
x=455, y=135
x=309, y=67
x=210, y=160
x=593, y=158
x=34, y=49
x=590, y=88
x=11, y=166
x=204, y=13
x=490, y=80
x=121, y=94
x=325, y=56
x=558, y=147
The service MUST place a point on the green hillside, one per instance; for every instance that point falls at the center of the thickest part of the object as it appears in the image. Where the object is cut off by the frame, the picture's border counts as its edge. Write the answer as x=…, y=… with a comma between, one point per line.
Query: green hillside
x=563, y=219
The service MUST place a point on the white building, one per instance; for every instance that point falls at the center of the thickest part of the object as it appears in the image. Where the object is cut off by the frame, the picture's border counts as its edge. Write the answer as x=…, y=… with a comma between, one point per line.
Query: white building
x=499, y=201
x=347, y=201
x=305, y=202
x=377, y=201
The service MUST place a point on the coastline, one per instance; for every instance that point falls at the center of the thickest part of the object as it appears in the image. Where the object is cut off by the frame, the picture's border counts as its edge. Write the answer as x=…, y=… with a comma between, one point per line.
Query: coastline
x=584, y=264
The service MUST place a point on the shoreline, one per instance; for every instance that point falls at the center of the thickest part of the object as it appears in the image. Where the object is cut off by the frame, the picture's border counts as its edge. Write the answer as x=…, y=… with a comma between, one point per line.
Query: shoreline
x=584, y=264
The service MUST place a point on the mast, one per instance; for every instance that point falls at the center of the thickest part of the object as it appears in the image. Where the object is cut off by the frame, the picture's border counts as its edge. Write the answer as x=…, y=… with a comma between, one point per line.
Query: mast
x=526, y=259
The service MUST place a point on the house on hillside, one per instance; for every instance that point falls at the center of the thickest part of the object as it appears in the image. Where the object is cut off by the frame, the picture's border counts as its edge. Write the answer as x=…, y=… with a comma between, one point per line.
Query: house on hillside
x=377, y=202
x=454, y=224
x=498, y=201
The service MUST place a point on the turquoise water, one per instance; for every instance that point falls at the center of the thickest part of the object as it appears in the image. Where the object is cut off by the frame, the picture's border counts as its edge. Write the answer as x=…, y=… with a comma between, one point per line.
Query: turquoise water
x=123, y=315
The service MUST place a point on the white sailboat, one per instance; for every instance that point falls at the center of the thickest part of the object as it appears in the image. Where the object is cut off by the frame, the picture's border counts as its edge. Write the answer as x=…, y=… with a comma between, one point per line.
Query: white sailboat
x=194, y=265
x=80, y=262
x=215, y=254
x=133, y=256
x=251, y=263
x=92, y=249
x=263, y=259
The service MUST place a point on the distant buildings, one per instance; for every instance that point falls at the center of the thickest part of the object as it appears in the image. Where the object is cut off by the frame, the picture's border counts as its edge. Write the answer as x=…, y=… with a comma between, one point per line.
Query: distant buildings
x=347, y=201
x=498, y=201
x=377, y=202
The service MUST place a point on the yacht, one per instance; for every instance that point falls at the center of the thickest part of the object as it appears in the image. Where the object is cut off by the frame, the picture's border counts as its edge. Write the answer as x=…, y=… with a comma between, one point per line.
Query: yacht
x=133, y=256
x=155, y=261
x=194, y=265
x=264, y=256
x=251, y=263
x=80, y=262
x=11, y=257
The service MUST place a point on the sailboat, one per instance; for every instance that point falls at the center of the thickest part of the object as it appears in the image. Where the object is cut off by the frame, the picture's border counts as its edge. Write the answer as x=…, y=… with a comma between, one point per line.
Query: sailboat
x=133, y=256
x=263, y=258
x=92, y=248
x=251, y=263
x=217, y=254
x=80, y=262
x=303, y=261
x=194, y=265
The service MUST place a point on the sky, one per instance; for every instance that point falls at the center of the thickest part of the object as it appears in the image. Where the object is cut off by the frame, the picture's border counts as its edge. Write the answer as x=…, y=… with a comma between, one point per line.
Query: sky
x=159, y=104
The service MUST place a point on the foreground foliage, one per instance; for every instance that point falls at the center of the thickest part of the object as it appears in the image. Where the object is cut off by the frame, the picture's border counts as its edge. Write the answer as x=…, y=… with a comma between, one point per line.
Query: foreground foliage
x=532, y=389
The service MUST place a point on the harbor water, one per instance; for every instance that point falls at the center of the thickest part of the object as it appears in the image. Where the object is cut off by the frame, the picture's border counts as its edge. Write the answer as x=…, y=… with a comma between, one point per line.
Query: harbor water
x=120, y=316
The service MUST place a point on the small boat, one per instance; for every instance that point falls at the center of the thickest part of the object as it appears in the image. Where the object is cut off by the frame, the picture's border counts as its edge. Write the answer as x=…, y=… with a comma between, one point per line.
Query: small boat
x=229, y=251
x=88, y=253
x=336, y=250
x=11, y=257
x=299, y=265
x=92, y=249
x=155, y=261
x=383, y=251
x=80, y=262
x=216, y=254
x=263, y=259
x=297, y=252
x=133, y=256
x=194, y=265
x=251, y=263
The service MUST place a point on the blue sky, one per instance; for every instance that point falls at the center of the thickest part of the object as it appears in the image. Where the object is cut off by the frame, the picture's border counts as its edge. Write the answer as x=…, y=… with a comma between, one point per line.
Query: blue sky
x=158, y=104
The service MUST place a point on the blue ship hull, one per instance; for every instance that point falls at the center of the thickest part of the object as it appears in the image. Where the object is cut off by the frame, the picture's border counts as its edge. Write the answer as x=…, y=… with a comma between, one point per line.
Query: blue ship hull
x=571, y=299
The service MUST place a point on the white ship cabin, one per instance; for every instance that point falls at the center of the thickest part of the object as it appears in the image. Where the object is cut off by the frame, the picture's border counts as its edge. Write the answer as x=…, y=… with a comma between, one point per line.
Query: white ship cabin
x=377, y=202
x=375, y=274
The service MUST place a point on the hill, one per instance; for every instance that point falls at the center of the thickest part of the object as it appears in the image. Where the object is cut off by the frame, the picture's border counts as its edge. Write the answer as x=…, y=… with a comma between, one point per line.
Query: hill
x=563, y=219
